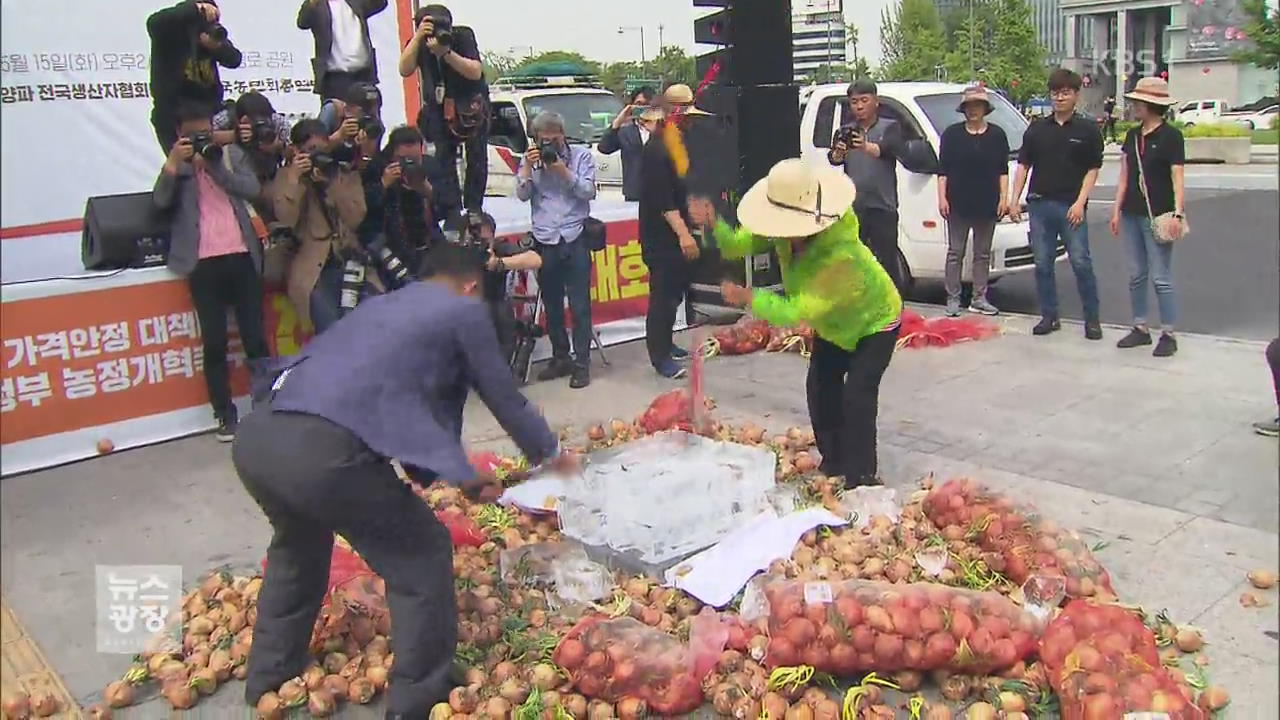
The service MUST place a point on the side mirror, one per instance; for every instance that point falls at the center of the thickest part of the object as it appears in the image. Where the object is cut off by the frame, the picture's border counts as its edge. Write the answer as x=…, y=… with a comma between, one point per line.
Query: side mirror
x=920, y=157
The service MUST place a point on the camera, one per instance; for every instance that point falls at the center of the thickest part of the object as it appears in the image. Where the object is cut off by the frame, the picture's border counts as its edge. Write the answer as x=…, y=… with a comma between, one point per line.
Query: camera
x=264, y=131
x=549, y=152
x=848, y=135
x=205, y=147
x=325, y=164
x=280, y=235
x=443, y=32
x=371, y=125
x=412, y=170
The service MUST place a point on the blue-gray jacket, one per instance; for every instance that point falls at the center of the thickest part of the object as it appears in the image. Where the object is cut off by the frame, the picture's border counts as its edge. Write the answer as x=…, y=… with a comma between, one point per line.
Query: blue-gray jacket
x=628, y=140
x=396, y=373
x=180, y=194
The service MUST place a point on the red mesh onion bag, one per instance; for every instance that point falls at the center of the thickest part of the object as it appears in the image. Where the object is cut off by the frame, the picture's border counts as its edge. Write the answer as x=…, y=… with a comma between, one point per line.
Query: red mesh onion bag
x=612, y=659
x=1103, y=663
x=746, y=336
x=463, y=531
x=844, y=628
x=1027, y=543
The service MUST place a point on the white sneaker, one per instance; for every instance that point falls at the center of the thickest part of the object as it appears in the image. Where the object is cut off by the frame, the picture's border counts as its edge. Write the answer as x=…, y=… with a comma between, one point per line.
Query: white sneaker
x=982, y=306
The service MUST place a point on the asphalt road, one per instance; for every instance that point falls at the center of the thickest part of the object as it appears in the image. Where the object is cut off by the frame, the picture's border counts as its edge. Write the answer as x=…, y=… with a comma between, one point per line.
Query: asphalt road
x=1226, y=273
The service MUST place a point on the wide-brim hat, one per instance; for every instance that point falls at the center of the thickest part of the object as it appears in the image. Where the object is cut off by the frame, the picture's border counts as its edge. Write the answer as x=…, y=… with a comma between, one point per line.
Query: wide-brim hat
x=652, y=114
x=976, y=94
x=679, y=98
x=796, y=199
x=1152, y=90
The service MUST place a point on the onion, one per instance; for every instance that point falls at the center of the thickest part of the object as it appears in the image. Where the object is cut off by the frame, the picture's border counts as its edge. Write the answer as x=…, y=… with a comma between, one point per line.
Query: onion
x=320, y=703
x=270, y=707
x=118, y=694
x=440, y=711
x=576, y=706
x=908, y=680
x=746, y=708
x=313, y=677
x=17, y=705
x=336, y=684
x=1188, y=640
x=377, y=675
x=98, y=711
x=956, y=687
x=334, y=662
x=513, y=690
x=724, y=698
x=980, y=711
x=360, y=691
x=631, y=708
x=599, y=710
x=544, y=677
x=1011, y=702
x=1213, y=698
x=799, y=711
x=204, y=681
x=596, y=433
x=293, y=693
x=180, y=695
x=1262, y=579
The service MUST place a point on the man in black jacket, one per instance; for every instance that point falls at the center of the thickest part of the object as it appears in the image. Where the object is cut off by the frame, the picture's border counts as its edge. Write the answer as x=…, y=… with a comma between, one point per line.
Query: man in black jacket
x=405, y=196
x=344, y=52
x=188, y=43
x=629, y=132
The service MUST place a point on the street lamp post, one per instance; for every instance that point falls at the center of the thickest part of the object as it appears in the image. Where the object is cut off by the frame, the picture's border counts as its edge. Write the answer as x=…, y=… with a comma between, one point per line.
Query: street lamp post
x=640, y=28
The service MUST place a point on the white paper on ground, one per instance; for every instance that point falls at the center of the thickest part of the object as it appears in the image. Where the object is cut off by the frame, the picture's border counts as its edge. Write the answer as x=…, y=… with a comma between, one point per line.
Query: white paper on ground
x=716, y=574
x=537, y=494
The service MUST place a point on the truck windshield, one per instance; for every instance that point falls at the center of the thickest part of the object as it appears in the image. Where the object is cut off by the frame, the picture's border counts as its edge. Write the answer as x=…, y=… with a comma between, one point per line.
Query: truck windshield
x=586, y=115
x=942, y=113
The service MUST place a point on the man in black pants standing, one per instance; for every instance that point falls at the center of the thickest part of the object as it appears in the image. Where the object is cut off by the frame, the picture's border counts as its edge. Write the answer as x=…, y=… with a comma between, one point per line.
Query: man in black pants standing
x=667, y=247
x=317, y=460
x=869, y=149
x=344, y=52
x=188, y=43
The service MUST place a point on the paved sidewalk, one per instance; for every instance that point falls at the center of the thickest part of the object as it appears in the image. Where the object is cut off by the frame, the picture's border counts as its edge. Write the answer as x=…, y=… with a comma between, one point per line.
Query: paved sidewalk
x=1154, y=457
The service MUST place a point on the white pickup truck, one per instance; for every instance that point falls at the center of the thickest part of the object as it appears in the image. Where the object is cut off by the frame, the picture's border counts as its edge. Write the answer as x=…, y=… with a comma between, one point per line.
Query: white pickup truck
x=924, y=111
x=1218, y=111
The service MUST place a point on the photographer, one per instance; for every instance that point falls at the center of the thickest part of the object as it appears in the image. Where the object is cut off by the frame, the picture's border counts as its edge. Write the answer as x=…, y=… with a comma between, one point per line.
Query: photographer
x=212, y=243
x=559, y=180
x=254, y=125
x=402, y=193
x=344, y=52
x=188, y=43
x=455, y=109
x=869, y=149
x=323, y=202
x=350, y=120
x=628, y=133
x=506, y=255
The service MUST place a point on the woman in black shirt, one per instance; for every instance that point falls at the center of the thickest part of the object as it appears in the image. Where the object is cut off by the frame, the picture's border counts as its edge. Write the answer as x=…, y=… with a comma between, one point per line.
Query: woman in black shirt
x=1141, y=197
x=973, y=181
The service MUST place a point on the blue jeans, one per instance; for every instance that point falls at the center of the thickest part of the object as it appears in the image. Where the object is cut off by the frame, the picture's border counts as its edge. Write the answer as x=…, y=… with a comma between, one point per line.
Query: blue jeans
x=325, y=298
x=1149, y=259
x=1048, y=223
x=566, y=272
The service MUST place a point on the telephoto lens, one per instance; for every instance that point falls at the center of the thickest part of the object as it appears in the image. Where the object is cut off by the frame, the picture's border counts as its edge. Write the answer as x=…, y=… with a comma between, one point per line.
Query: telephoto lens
x=352, y=282
x=394, y=269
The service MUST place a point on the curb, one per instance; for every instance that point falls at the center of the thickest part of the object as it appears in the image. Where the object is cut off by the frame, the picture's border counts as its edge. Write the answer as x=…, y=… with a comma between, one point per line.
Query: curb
x=23, y=667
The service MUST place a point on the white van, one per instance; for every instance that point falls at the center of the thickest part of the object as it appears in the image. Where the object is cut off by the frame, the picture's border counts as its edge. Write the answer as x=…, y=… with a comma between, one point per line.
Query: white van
x=924, y=111
x=588, y=109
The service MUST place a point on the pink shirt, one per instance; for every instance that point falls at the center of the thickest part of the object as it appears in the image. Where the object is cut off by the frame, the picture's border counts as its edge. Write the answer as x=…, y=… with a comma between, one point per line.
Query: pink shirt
x=219, y=228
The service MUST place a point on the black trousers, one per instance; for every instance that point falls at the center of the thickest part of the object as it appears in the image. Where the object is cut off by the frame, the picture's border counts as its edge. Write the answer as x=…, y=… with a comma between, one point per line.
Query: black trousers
x=218, y=283
x=313, y=478
x=433, y=127
x=879, y=230
x=335, y=83
x=844, y=399
x=166, y=127
x=669, y=281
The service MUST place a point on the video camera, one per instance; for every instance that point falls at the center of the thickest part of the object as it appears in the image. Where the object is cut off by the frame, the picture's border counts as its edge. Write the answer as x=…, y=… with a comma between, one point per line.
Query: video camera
x=205, y=147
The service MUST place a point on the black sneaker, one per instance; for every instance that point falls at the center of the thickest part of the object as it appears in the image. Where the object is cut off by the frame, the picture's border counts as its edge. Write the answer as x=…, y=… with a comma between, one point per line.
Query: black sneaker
x=579, y=377
x=1093, y=330
x=555, y=369
x=226, y=431
x=1167, y=347
x=1046, y=326
x=1134, y=339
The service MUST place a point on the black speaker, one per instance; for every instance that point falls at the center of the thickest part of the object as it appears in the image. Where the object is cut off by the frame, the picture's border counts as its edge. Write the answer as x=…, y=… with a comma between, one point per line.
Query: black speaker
x=751, y=129
x=123, y=231
x=756, y=37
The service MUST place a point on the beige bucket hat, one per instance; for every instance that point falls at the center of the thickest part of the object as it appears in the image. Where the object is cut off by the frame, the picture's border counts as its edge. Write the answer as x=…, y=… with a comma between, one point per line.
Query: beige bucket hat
x=1152, y=90
x=681, y=96
x=796, y=199
x=975, y=93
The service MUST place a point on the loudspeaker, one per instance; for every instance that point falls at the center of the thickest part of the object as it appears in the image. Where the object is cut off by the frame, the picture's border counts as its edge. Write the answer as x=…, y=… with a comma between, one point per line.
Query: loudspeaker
x=756, y=35
x=123, y=231
x=752, y=128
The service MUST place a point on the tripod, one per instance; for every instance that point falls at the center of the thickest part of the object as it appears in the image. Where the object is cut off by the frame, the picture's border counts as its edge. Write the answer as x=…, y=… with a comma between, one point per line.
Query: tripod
x=521, y=364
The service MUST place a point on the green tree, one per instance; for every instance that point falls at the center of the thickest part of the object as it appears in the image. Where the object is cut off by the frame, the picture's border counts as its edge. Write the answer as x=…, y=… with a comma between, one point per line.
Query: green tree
x=497, y=65
x=851, y=39
x=829, y=74
x=1017, y=60
x=912, y=41
x=970, y=48
x=590, y=66
x=615, y=75
x=672, y=65
x=1263, y=28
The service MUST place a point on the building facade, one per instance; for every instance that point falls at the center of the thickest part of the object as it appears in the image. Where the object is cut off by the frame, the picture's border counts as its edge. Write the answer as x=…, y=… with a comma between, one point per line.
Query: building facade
x=817, y=36
x=1114, y=43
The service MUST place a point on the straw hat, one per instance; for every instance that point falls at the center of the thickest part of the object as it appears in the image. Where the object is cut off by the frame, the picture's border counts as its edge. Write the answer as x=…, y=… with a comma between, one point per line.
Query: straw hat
x=652, y=114
x=1152, y=90
x=976, y=93
x=681, y=96
x=796, y=199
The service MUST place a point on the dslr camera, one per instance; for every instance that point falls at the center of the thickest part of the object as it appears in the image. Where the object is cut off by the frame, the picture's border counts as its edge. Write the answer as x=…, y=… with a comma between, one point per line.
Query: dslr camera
x=325, y=164
x=850, y=136
x=412, y=170
x=205, y=147
x=264, y=131
x=549, y=152
x=443, y=32
x=215, y=30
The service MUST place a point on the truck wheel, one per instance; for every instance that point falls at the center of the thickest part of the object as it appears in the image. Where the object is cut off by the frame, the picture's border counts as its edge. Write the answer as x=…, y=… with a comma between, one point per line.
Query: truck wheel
x=904, y=272
x=1249, y=124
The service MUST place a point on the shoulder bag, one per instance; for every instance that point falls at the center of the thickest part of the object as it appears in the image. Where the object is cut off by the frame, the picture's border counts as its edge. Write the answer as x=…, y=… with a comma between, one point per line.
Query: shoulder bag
x=1167, y=227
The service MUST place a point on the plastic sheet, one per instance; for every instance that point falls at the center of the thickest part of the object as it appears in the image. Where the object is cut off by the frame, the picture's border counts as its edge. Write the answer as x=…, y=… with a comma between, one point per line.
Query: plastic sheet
x=854, y=626
x=1103, y=663
x=666, y=496
x=865, y=502
x=563, y=568
x=612, y=659
x=1027, y=544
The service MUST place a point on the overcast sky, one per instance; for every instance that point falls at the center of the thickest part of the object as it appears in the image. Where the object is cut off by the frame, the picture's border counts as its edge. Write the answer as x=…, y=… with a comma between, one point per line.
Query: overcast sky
x=591, y=26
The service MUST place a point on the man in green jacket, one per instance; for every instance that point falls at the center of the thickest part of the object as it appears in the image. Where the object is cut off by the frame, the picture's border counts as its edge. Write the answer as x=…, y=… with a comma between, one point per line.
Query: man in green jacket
x=833, y=284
